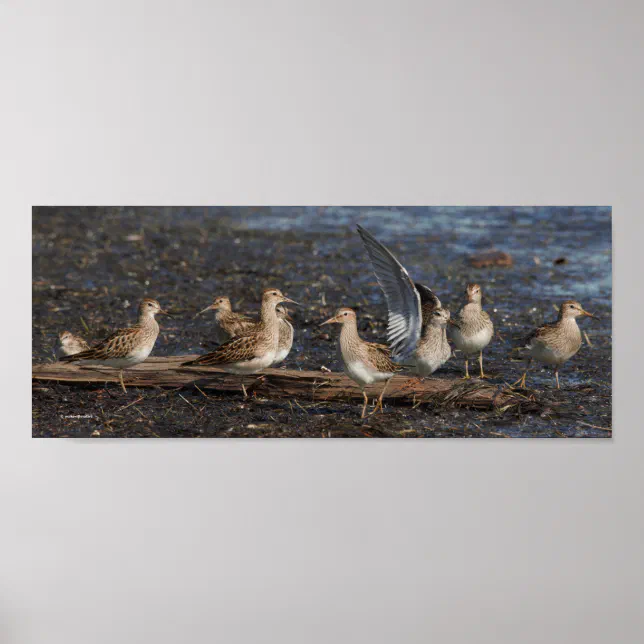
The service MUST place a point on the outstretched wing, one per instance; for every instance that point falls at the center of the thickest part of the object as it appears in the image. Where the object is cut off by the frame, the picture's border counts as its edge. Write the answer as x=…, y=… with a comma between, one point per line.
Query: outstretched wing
x=427, y=296
x=116, y=345
x=403, y=300
x=235, y=350
x=429, y=302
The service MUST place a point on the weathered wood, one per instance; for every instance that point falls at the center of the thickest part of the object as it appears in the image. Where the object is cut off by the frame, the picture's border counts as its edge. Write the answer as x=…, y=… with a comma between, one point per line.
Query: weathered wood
x=289, y=383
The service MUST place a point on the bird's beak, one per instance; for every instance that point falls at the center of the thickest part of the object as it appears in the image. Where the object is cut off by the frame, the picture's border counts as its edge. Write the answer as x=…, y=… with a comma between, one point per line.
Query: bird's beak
x=590, y=315
x=330, y=321
x=286, y=299
x=206, y=309
x=164, y=312
x=288, y=317
x=450, y=321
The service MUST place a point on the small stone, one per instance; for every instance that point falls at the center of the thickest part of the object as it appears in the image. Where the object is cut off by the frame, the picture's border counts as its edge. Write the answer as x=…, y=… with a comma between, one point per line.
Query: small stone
x=491, y=258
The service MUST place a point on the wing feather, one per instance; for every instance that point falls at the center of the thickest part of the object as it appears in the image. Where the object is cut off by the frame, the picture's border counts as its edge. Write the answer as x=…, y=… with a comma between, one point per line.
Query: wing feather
x=429, y=303
x=379, y=355
x=116, y=345
x=236, y=350
x=538, y=334
x=403, y=299
x=427, y=296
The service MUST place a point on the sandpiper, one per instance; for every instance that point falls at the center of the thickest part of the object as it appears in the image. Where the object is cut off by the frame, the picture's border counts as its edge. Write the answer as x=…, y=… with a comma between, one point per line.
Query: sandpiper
x=126, y=347
x=364, y=362
x=416, y=327
x=253, y=351
x=556, y=342
x=472, y=329
x=432, y=350
x=69, y=344
x=228, y=324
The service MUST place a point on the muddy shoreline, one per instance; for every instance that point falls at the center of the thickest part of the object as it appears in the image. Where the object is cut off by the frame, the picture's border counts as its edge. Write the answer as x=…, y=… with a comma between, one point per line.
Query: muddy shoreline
x=91, y=266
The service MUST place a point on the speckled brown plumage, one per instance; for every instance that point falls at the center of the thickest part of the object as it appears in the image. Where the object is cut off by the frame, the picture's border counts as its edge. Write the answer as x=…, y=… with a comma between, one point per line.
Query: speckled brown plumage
x=253, y=351
x=125, y=347
x=287, y=333
x=121, y=343
x=364, y=362
x=472, y=329
x=117, y=345
x=432, y=350
x=229, y=325
x=69, y=344
x=556, y=342
x=379, y=355
x=235, y=324
x=240, y=349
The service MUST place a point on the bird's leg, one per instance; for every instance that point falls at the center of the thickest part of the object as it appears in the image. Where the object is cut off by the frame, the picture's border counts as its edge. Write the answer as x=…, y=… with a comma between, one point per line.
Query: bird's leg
x=521, y=380
x=467, y=369
x=121, y=381
x=557, y=376
x=244, y=389
x=481, y=364
x=379, y=403
x=366, y=402
x=255, y=383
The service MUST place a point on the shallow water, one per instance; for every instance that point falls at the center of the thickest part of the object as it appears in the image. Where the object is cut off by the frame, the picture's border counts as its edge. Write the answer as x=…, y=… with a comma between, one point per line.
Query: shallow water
x=95, y=264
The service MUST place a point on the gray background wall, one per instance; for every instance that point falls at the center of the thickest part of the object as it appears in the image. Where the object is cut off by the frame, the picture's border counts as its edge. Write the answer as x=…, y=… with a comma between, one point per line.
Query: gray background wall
x=320, y=103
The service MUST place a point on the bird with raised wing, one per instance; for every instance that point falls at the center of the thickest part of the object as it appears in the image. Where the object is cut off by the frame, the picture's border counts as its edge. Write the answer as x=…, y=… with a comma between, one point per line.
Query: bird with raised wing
x=416, y=326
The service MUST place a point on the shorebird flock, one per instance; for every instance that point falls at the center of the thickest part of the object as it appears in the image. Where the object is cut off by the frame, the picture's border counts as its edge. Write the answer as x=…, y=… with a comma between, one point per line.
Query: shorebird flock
x=417, y=334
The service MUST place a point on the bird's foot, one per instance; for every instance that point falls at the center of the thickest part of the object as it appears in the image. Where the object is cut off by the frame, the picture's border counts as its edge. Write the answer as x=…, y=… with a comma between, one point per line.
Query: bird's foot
x=412, y=382
x=519, y=383
x=377, y=407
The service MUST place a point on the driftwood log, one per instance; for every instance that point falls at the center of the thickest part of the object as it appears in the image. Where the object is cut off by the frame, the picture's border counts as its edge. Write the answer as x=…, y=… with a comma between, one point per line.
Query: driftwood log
x=288, y=383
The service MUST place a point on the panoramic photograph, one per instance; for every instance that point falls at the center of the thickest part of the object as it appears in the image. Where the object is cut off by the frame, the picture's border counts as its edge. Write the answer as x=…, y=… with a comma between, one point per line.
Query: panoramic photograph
x=327, y=322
